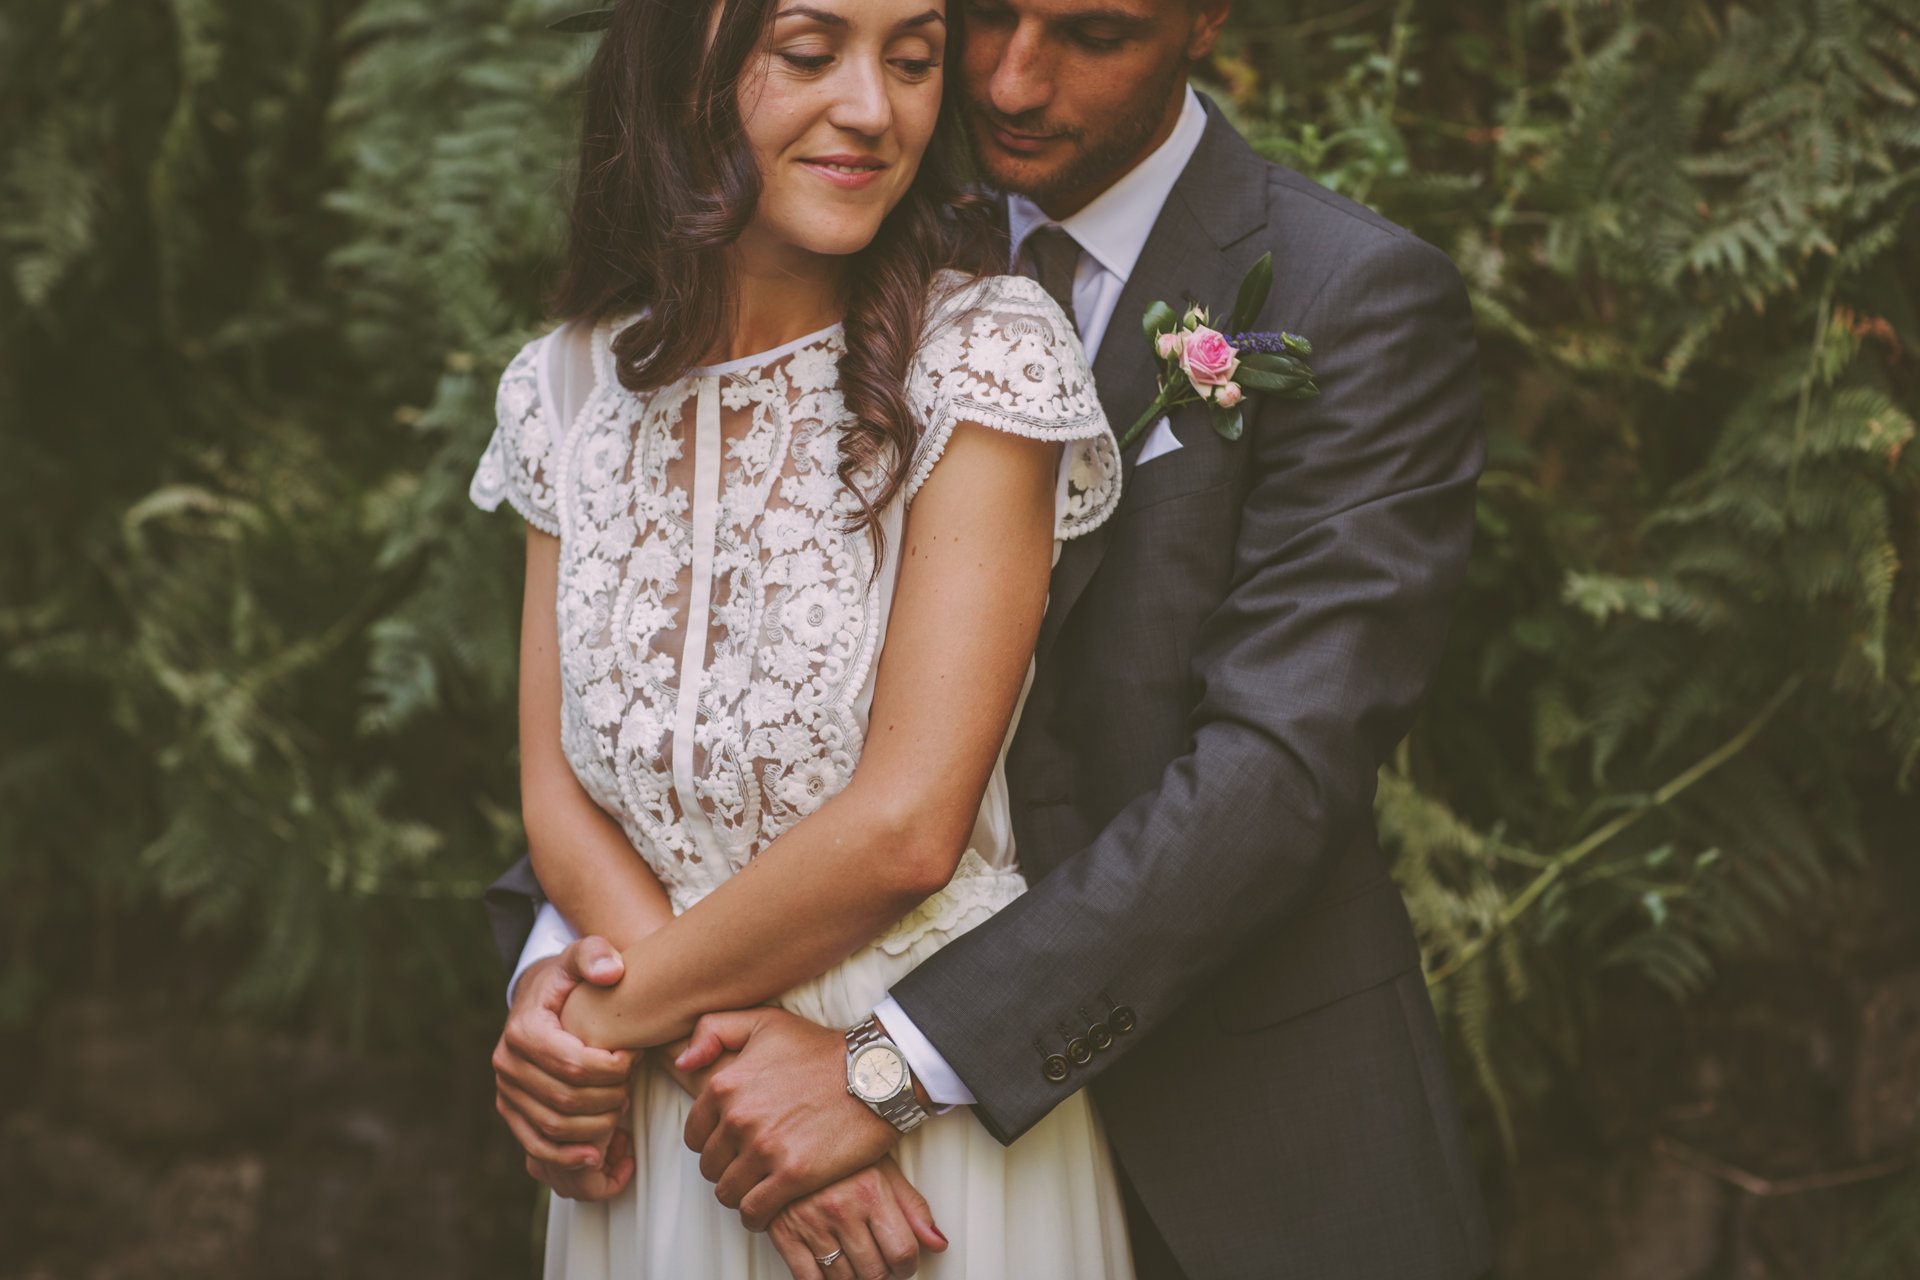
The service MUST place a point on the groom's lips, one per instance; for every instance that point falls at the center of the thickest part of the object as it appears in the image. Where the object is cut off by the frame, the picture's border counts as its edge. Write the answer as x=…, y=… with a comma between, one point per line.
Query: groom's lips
x=1023, y=143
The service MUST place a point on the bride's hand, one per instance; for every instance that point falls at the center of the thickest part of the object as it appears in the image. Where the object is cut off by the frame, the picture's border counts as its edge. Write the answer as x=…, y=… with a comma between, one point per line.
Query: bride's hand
x=602, y=1182
x=875, y=1218
x=615, y=1169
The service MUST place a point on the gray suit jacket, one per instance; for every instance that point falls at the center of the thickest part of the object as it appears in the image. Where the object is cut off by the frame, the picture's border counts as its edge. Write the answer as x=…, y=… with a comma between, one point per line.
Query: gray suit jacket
x=1222, y=667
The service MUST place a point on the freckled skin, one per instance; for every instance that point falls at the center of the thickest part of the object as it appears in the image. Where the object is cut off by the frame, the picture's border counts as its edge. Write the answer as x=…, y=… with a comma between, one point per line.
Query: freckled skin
x=838, y=115
x=870, y=92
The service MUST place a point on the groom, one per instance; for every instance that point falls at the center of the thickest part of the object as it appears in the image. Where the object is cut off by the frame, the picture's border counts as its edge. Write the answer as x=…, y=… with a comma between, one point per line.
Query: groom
x=1211, y=942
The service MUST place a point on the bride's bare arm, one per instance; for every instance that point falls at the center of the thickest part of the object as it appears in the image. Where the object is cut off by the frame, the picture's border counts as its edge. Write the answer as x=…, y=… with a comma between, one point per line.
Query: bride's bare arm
x=583, y=859
x=966, y=611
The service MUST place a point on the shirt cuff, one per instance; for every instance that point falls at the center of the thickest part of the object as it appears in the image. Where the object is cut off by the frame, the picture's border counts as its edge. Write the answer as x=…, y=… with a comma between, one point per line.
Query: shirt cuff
x=929, y=1068
x=551, y=935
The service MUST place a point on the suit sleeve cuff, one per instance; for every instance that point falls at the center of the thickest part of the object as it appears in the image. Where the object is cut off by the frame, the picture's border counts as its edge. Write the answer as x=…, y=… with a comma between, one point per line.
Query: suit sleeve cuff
x=928, y=1067
x=551, y=935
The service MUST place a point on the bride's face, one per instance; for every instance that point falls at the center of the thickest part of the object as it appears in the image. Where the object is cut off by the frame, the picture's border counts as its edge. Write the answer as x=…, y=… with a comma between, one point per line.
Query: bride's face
x=839, y=105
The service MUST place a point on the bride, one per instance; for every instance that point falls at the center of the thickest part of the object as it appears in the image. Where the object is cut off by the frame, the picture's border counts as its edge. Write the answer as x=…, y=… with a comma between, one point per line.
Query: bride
x=789, y=455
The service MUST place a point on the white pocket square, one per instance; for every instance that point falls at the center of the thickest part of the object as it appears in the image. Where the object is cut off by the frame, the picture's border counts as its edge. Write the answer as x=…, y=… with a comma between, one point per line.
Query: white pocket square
x=1159, y=440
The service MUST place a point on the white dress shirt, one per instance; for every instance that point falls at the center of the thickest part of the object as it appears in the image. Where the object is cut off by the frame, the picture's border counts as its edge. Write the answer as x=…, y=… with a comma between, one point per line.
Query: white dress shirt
x=1111, y=231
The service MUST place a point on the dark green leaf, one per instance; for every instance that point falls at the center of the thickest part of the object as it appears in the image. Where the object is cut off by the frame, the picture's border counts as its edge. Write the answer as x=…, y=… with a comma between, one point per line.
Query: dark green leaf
x=1274, y=364
x=1294, y=342
x=1261, y=380
x=1160, y=318
x=1226, y=422
x=1253, y=294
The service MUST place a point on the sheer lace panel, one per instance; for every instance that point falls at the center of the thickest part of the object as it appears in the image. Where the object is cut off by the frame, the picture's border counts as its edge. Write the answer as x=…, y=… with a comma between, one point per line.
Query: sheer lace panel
x=567, y=360
x=704, y=550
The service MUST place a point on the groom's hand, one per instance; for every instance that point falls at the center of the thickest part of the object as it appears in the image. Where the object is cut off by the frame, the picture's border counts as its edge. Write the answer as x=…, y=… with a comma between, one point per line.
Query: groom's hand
x=777, y=1122
x=560, y=1097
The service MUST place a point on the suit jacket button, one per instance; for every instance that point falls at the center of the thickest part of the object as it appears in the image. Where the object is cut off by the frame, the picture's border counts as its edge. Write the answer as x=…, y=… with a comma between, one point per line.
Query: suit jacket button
x=1080, y=1051
x=1101, y=1035
x=1054, y=1068
x=1123, y=1020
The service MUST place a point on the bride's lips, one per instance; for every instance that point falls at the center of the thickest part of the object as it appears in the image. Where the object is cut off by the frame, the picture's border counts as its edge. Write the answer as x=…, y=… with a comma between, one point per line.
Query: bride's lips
x=851, y=172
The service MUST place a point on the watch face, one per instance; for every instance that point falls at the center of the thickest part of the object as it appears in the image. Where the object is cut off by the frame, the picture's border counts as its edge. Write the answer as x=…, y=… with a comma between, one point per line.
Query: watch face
x=877, y=1073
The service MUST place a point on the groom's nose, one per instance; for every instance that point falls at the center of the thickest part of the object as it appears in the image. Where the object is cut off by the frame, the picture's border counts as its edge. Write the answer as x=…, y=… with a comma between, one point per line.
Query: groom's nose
x=1023, y=79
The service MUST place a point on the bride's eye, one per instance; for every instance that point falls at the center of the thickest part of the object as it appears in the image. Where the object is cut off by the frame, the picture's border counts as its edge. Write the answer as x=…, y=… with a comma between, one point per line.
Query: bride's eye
x=914, y=58
x=806, y=61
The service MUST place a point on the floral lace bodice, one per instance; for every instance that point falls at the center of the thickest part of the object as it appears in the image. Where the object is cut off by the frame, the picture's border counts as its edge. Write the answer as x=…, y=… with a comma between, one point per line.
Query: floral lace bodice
x=703, y=548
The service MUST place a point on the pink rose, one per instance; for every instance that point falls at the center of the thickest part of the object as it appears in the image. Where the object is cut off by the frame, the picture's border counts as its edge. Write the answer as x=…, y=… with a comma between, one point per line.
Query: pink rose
x=1228, y=395
x=1169, y=344
x=1208, y=358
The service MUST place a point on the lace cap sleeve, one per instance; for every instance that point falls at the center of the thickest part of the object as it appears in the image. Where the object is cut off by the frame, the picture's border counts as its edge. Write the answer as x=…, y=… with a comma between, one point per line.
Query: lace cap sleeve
x=521, y=463
x=1001, y=353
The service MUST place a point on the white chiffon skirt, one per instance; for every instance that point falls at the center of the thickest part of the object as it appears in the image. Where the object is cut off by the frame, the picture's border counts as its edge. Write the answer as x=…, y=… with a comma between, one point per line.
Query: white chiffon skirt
x=1047, y=1206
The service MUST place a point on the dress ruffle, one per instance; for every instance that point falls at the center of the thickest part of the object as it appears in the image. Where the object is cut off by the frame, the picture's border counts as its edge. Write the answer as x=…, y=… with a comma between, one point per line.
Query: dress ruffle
x=844, y=995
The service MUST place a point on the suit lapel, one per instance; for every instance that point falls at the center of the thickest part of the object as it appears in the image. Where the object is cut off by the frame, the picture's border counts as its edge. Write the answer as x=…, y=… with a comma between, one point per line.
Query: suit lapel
x=1220, y=198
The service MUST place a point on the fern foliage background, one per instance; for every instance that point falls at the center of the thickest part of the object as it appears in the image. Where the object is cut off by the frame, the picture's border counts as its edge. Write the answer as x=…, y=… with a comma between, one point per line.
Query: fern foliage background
x=261, y=263
x=264, y=262
x=1687, y=652
x=1690, y=236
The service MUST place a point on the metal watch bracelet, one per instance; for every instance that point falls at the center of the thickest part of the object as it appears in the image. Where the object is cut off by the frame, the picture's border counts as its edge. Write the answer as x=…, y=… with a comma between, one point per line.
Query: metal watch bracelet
x=903, y=1110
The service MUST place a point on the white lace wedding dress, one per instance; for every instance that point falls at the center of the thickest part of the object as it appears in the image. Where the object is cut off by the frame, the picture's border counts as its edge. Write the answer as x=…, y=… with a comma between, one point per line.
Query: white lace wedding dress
x=702, y=545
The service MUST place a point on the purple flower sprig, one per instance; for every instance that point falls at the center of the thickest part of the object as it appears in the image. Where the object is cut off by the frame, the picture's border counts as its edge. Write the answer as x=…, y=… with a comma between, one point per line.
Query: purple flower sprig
x=1270, y=344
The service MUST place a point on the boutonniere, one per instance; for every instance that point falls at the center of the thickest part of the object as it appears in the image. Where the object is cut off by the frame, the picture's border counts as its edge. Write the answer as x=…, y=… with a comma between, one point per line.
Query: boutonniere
x=1200, y=363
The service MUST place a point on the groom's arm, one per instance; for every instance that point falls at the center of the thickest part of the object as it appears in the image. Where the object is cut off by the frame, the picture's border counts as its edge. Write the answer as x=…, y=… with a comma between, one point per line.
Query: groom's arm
x=1352, y=546
x=513, y=901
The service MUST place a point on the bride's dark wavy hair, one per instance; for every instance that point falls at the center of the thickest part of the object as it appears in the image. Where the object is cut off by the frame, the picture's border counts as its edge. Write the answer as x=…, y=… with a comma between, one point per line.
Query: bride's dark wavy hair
x=667, y=182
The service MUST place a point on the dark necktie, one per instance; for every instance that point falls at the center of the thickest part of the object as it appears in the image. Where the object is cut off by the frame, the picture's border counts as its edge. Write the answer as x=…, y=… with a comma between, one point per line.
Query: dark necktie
x=1056, y=257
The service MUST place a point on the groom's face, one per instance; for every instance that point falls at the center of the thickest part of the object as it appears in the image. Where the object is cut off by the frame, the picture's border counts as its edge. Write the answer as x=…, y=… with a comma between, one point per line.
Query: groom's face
x=1065, y=96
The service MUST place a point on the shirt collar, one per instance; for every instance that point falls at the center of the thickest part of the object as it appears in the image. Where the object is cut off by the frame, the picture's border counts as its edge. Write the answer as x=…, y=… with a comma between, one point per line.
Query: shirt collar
x=1115, y=226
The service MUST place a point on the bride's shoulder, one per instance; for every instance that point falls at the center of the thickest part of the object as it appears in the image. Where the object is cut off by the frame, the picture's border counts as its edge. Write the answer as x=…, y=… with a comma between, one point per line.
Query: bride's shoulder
x=979, y=323
x=987, y=314
x=956, y=294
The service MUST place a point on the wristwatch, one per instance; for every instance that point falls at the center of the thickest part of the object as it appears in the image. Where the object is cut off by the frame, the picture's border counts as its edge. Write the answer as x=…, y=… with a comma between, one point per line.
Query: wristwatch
x=878, y=1075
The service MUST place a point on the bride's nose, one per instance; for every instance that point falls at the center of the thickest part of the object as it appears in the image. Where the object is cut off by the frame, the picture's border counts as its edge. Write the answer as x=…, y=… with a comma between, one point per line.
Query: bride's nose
x=862, y=105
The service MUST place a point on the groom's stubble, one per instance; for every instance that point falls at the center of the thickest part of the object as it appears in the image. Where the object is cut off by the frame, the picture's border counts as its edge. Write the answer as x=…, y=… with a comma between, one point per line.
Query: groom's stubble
x=1101, y=155
x=1064, y=97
